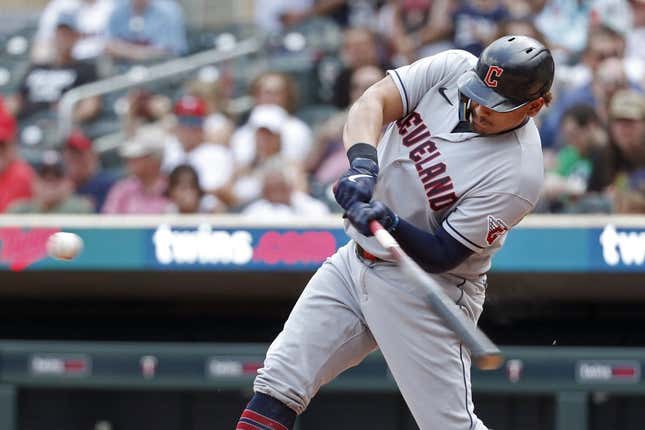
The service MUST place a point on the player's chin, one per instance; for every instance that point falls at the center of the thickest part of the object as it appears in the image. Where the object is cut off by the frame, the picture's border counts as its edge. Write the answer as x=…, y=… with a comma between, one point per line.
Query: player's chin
x=483, y=127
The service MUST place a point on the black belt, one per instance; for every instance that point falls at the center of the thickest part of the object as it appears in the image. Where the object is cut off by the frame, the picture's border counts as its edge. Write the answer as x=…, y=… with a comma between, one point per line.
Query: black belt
x=360, y=251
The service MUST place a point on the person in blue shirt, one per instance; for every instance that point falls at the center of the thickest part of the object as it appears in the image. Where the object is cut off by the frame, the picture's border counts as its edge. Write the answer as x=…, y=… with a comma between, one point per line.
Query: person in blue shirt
x=476, y=24
x=82, y=167
x=143, y=30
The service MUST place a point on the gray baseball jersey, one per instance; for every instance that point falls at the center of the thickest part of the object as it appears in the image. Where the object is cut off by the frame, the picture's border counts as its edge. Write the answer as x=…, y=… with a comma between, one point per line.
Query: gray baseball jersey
x=477, y=187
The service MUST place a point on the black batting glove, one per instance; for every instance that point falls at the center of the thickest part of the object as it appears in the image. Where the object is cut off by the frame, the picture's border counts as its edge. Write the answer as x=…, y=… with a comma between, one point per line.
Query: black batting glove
x=358, y=183
x=361, y=214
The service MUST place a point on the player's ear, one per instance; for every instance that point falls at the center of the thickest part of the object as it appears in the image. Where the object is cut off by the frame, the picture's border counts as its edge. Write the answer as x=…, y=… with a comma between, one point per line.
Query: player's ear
x=535, y=106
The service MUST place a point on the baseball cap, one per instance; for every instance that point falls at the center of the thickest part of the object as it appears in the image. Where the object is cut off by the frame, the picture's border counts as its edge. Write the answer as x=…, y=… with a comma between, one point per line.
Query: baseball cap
x=7, y=124
x=50, y=164
x=271, y=117
x=627, y=104
x=78, y=141
x=144, y=142
x=191, y=111
x=67, y=20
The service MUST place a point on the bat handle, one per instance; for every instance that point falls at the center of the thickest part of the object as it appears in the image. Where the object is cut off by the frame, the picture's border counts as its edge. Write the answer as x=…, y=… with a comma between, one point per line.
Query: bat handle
x=375, y=226
x=382, y=235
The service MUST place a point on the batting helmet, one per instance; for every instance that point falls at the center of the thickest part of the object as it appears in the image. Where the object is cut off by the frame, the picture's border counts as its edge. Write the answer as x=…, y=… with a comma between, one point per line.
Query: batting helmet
x=510, y=72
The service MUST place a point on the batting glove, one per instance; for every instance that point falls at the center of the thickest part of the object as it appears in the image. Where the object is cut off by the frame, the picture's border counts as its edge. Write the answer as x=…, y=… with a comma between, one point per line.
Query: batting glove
x=361, y=214
x=357, y=184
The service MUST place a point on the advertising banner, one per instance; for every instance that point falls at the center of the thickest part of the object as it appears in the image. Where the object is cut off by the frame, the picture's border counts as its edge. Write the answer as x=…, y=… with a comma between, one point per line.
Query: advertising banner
x=205, y=247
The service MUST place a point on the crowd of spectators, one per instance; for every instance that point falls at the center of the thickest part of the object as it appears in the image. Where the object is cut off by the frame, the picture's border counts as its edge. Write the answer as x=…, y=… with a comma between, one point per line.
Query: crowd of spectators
x=189, y=153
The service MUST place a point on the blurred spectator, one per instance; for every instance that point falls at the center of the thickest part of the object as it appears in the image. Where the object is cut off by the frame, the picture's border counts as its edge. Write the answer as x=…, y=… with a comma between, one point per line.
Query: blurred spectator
x=142, y=30
x=267, y=123
x=476, y=24
x=524, y=9
x=212, y=161
x=16, y=176
x=44, y=84
x=416, y=28
x=608, y=78
x=273, y=88
x=359, y=49
x=271, y=16
x=585, y=142
x=328, y=159
x=53, y=192
x=636, y=37
x=614, y=14
x=185, y=194
x=276, y=15
x=564, y=23
x=142, y=107
x=343, y=12
x=627, y=140
x=83, y=168
x=143, y=191
x=280, y=197
x=629, y=202
x=602, y=43
x=218, y=128
x=92, y=16
x=521, y=27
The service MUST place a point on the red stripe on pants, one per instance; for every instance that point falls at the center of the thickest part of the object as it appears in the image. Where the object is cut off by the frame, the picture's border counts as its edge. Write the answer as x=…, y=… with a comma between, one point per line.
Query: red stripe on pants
x=273, y=425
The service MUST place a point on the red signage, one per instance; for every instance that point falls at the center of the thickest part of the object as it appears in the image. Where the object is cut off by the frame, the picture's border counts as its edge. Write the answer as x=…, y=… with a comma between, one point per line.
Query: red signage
x=19, y=248
x=292, y=247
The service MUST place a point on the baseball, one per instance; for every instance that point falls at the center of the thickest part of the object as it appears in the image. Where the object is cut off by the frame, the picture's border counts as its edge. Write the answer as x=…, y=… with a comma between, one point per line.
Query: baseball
x=64, y=246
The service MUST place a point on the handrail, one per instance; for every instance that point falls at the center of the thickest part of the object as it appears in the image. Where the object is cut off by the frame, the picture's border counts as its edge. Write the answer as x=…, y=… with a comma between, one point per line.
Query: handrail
x=143, y=74
x=327, y=221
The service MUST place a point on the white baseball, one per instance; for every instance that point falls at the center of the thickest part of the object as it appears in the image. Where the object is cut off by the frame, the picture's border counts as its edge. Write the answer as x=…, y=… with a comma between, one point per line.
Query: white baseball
x=64, y=246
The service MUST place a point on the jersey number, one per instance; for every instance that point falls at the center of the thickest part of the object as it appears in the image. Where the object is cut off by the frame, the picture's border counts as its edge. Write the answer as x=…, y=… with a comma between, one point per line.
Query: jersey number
x=493, y=73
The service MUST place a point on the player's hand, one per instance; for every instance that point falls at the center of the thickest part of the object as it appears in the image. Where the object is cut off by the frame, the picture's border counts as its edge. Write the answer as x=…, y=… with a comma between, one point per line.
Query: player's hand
x=361, y=214
x=357, y=184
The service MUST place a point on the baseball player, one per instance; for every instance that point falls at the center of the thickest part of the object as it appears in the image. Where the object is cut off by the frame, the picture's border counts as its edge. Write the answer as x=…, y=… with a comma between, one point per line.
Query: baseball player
x=457, y=165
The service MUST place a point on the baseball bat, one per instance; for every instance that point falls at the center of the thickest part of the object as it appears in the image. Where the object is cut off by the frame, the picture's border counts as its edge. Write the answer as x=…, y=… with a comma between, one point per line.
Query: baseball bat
x=486, y=355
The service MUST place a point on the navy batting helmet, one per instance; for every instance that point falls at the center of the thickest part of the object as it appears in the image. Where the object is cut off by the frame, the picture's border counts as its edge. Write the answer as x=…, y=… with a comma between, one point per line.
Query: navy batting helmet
x=510, y=72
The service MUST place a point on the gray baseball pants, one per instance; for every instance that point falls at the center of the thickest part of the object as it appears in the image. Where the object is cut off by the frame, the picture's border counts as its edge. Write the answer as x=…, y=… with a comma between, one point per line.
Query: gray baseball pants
x=350, y=308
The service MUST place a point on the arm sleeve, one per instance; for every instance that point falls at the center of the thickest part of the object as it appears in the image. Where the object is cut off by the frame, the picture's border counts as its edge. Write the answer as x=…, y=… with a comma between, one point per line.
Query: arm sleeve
x=112, y=29
x=414, y=81
x=435, y=253
x=47, y=22
x=173, y=36
x=481, y=222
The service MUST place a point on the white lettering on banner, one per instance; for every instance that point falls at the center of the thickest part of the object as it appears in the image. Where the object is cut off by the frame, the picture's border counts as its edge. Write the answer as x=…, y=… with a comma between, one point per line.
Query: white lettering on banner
x=202, y=246
x=47, y=365
x=225, y=368
x=626, y=246
x=600, y=372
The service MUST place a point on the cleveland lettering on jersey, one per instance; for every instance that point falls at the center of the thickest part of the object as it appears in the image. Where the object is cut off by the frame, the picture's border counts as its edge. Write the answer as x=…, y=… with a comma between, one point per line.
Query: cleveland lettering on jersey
x=423, y=152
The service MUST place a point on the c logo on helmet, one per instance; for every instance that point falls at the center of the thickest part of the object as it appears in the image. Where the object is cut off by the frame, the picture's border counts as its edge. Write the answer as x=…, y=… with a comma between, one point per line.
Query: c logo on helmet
x=492, y=74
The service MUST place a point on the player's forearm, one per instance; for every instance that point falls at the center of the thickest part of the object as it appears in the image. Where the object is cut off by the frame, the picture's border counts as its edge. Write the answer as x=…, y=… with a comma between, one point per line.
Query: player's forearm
x=364, y=122
x=435, y=253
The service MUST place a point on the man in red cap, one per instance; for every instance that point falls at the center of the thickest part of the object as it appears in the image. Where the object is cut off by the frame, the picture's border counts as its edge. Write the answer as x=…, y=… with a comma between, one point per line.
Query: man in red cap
x=16, y=176
x=83, y=168
x=213, y=162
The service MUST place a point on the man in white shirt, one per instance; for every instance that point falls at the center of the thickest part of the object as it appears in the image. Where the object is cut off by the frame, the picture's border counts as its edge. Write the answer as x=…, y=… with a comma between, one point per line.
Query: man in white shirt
x=280, y=198
x=213, y=162
x=92, y=17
